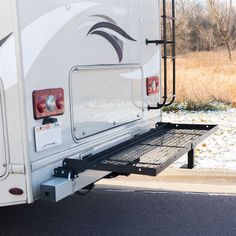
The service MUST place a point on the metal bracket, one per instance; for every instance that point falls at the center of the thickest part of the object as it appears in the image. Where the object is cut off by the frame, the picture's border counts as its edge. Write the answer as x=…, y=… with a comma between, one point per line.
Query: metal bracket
x=191, y=159
x=190, y=165
x=62, y=172
x=17, y=169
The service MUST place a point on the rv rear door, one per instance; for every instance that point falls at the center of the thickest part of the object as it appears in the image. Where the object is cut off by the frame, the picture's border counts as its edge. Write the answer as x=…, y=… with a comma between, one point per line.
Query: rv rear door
x=104, y=92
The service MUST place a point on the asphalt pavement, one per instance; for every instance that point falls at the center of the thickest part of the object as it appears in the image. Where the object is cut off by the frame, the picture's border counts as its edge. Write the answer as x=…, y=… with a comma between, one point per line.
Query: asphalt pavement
x=106, y=212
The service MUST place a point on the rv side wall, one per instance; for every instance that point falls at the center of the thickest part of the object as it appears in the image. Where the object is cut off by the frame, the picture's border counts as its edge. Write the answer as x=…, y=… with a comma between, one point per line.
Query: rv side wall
x=12, y=165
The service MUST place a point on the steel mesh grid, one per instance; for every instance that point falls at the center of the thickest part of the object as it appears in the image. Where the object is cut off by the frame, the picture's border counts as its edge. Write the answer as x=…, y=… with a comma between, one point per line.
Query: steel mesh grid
x=156, y=149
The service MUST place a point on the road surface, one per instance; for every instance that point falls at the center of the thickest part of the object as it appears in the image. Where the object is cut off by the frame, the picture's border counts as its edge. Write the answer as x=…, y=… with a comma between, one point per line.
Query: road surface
x=113, y=213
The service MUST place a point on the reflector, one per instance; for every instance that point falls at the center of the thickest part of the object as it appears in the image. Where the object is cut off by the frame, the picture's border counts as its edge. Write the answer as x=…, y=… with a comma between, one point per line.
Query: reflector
x=16, y=191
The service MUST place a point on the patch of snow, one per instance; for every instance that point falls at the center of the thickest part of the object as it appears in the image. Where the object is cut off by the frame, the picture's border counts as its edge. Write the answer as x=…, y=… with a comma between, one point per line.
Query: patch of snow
x=219, y=150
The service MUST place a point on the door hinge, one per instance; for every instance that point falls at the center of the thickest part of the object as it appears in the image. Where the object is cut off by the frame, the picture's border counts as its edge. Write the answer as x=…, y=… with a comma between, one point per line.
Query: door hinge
x=17, y=169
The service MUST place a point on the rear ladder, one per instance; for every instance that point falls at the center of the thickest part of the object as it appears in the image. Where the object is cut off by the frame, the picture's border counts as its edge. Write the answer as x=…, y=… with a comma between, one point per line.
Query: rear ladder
x=167, y=100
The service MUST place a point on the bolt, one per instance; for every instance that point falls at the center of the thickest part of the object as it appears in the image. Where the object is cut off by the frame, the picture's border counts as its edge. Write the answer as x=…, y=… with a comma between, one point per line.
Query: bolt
x=68, y=7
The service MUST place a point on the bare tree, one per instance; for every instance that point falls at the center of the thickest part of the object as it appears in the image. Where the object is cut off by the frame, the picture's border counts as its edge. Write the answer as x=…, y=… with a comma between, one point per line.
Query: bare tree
x=183, y=12
x=223, y=15
x=190, y=24
x=201, y=28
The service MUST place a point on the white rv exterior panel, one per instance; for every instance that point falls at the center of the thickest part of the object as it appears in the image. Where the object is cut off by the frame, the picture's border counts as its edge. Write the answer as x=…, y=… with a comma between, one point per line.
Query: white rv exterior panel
x=3, y=156
x=13, y=152
x=13, y=180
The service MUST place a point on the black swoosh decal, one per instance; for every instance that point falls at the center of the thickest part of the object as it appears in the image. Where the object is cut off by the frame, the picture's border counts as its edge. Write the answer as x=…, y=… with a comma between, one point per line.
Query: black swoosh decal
x=2, y=41
x=112, y=41
x=115, y=41
x=113, y=27
x=119, y=41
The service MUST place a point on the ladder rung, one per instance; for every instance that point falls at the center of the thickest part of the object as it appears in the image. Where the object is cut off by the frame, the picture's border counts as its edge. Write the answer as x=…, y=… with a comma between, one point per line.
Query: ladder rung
x=167, y=41
x=169, y=57
x=170, y=42
x=169, y=17
x=168, y=97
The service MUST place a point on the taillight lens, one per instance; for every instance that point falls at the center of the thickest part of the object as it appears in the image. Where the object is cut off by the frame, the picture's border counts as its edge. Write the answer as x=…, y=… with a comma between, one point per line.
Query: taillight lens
x=60, y=101
x=41, y=105
x=153, y=85
x=48, y=102
x=51, y=103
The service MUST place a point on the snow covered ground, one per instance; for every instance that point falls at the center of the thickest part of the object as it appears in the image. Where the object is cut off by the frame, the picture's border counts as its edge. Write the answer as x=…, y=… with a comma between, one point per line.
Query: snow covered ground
x=219, y=150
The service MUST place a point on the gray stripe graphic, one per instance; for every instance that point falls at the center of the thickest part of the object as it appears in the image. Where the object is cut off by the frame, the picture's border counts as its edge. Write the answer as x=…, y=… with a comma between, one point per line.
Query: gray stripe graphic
x=106, y=18
x=2, y=41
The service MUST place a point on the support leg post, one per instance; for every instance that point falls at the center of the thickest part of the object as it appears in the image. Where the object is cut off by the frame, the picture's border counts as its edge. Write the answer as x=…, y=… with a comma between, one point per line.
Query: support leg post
x=191, y=159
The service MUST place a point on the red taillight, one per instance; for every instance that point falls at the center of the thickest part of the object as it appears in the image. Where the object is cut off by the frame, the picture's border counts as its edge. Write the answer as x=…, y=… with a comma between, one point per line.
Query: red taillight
x=41, y=105
x=16, y=191
x=60, y=101
x=48, y=102
x=153, y=85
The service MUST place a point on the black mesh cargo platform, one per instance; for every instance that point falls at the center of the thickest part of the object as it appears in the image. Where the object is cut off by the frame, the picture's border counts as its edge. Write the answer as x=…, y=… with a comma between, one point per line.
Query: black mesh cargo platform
x=146, y=154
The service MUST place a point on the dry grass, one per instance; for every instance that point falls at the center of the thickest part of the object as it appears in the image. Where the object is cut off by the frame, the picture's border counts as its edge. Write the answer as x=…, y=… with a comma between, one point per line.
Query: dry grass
x=206, y=76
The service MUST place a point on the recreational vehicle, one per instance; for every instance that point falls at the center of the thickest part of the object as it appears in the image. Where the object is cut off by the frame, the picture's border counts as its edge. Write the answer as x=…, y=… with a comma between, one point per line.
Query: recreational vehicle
x=81, y=95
